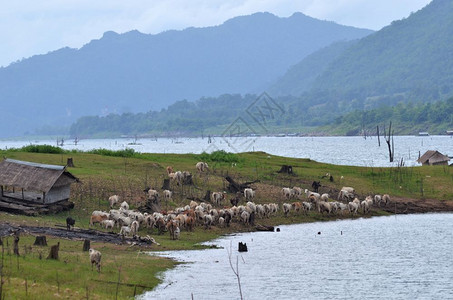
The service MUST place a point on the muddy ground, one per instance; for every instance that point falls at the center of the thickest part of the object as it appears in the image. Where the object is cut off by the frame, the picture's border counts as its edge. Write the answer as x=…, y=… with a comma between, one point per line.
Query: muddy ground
x=397, y=206
x=415, y=206
x=7, y=229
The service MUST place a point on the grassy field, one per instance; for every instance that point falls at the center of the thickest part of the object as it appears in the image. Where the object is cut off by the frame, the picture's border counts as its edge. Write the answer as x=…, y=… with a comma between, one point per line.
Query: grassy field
x=33, y=276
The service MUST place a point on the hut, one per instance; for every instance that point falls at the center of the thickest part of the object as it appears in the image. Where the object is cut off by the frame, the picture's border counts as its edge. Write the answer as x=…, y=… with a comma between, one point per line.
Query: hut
x=433, y=157
x=34, y=182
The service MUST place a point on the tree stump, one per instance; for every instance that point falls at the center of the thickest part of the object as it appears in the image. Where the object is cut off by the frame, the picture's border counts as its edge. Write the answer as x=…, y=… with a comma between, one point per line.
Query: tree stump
x=16, y=244
x=53, y=254
x=188, y=180
x=69, y=162
x=286, y=169
x=86, y=245
x=242, y=247
x=40, y=240
x=166, y=184
x=207, y=196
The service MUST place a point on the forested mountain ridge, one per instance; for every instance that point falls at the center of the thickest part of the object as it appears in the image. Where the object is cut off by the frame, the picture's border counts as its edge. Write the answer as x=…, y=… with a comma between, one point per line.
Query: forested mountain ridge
x=301, y=77
x=409, y=60
x=135, y=72
x=407, y=118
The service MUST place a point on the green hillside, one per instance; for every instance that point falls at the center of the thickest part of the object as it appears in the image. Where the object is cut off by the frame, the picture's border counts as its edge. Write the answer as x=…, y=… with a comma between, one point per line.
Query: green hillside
x=407, y=118
x=301, y=76
x=411, y=58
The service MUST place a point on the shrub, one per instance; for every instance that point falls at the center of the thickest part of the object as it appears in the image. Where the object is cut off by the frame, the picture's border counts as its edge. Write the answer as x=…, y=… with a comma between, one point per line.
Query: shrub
x=118, y=153
x=220, y=156
x=42, y=149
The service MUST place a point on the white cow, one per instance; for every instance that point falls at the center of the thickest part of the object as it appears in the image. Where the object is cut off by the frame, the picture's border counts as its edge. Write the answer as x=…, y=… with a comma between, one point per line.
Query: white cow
x=249, y=194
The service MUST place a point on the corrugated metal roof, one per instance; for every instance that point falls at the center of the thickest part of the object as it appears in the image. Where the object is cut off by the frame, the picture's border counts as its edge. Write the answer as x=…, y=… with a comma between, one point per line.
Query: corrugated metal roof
x=32, y=164
x=32, y=176
x=432, y=156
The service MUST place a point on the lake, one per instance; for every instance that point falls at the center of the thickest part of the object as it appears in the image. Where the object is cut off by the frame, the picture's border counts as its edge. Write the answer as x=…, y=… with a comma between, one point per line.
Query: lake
x=336, y=150
x=402, y=257
x=395, y=257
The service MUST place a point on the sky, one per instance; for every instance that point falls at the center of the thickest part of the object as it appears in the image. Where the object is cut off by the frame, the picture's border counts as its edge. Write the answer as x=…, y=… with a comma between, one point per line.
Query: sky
x=30, y=27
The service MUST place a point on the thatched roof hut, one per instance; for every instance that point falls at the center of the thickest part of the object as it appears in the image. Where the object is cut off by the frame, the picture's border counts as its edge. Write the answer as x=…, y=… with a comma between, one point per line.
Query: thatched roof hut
x=433, y=157
x=35, y=182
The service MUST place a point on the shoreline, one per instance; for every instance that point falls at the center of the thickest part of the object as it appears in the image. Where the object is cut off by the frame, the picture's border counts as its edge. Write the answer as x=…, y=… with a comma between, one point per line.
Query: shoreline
x=185, y=259
x=104, y=175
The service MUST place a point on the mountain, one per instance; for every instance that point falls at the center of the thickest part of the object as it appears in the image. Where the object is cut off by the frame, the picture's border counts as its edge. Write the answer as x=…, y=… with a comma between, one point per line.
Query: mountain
x=409, y=60
x=136, y=72
x=301, y=77
x=352, y=85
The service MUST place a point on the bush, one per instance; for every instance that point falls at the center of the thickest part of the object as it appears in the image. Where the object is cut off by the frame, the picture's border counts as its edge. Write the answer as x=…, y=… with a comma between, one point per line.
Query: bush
x=42, y=149
x=220, y=156
x=118, y=153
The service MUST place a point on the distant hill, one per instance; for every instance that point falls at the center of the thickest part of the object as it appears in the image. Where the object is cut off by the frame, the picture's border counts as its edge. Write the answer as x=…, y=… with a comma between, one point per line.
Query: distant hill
x=407, y=118
x=135, y=72
x=409, y=60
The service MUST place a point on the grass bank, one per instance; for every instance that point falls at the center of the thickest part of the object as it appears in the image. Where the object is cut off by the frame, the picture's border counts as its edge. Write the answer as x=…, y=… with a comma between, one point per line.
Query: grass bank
x=104, y=173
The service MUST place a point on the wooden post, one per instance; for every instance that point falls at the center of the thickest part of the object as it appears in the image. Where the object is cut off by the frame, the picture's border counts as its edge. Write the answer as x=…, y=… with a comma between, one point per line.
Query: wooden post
x=69, y=162
x=16, y=244
x=86, y=245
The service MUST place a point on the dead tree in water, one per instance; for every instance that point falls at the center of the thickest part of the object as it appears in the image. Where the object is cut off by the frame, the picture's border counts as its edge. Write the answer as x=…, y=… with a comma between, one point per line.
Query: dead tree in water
x=389, y=141
x=378, y=138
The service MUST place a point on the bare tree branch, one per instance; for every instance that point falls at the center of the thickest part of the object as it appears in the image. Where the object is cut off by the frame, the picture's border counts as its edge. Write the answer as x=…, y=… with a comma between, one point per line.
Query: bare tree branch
x=236, y=272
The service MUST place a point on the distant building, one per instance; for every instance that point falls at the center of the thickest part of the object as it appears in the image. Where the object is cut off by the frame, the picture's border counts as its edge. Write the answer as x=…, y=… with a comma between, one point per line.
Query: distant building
x=433, y=157
x=38, y=183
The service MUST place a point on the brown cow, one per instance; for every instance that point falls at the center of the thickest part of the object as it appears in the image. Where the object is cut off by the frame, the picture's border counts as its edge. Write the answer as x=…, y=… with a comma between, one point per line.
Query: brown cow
x=296, y=206
x=190, y=223
x=98, y=219
x=172, y=229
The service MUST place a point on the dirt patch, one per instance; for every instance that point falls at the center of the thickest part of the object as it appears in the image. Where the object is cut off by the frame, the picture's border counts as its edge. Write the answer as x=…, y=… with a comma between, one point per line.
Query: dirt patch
x=414, y=206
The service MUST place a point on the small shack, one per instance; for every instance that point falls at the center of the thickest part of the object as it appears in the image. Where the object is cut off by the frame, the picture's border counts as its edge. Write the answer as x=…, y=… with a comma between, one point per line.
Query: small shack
x=34, y=182
x=433, y=157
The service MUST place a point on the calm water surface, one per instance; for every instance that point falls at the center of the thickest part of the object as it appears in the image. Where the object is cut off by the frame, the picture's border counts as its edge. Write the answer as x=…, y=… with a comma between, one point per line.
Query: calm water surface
x=336, y=150
x=402, y=257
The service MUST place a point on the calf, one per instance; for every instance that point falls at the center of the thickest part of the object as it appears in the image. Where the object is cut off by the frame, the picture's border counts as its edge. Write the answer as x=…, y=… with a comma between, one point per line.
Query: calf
x=69, y=223
x=95, y=259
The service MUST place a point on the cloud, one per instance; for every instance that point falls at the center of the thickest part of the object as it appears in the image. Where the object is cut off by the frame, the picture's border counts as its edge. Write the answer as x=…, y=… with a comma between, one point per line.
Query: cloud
x=29, y=27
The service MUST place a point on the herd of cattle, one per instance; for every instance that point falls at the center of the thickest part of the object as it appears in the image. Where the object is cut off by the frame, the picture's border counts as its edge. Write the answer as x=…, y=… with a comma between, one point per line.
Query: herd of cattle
x=218, y=213
x=346, y=201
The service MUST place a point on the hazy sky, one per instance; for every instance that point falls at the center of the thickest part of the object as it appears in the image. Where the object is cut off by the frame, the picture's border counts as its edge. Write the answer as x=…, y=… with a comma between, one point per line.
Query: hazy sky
x=29, y=27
